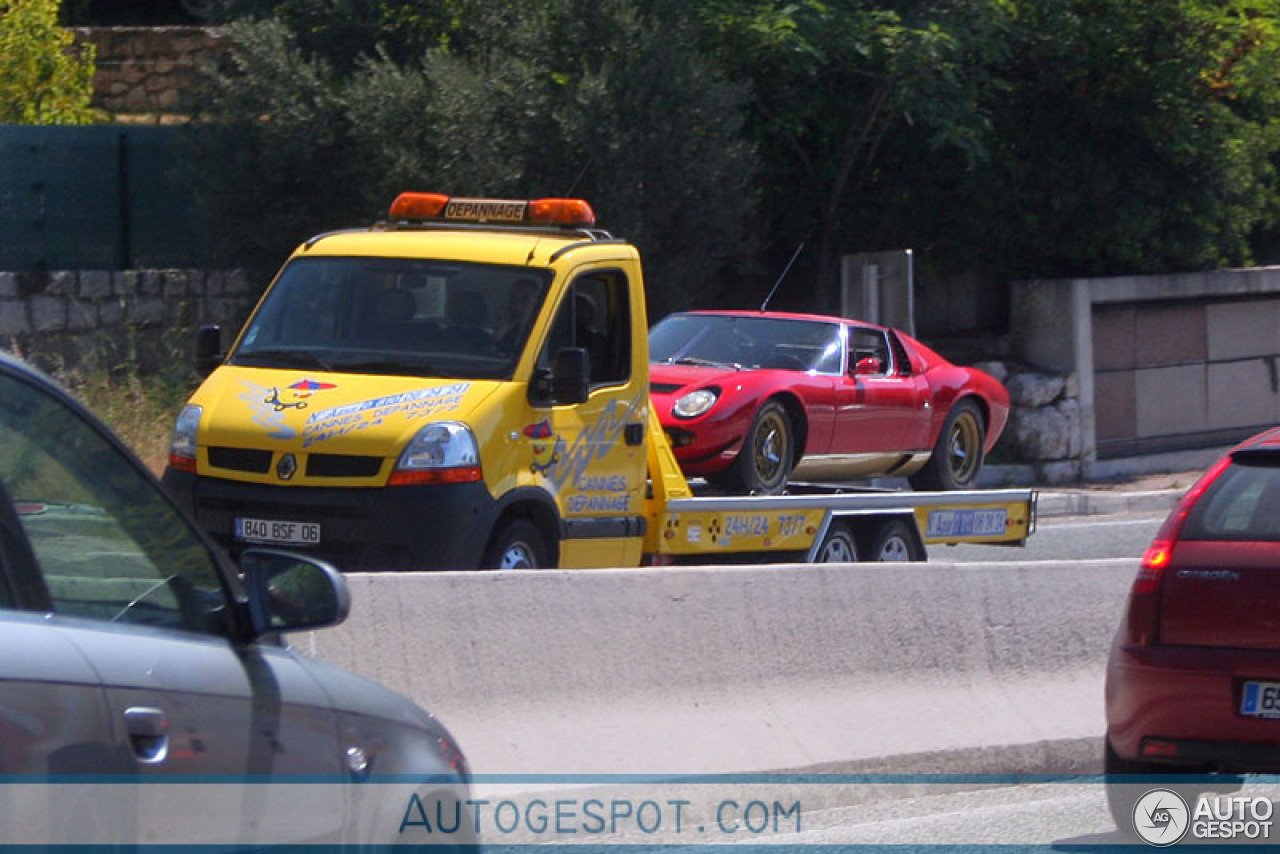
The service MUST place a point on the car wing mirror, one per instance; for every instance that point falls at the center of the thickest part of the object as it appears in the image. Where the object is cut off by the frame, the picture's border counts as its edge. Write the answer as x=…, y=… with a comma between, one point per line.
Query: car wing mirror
x=868, y=365
x=208, y=349
x=291, y=592
x=569, y=375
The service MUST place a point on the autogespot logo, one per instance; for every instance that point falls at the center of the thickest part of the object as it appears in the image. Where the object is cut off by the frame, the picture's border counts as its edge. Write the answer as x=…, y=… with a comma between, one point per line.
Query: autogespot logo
x=1161, y=817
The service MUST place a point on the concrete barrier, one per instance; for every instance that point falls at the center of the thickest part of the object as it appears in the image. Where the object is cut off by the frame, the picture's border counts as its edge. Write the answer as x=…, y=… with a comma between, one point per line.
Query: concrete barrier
x=747, y=669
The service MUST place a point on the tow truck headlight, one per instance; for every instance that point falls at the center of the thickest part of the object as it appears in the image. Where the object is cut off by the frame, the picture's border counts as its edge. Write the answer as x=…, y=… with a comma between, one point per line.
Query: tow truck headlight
x=443, y=452
x=695, y=403
x=182, y=447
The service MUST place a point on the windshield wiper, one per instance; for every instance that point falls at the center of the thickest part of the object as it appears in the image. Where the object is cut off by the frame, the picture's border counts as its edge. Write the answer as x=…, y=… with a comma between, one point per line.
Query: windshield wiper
x=286, y=358
x=707, y=363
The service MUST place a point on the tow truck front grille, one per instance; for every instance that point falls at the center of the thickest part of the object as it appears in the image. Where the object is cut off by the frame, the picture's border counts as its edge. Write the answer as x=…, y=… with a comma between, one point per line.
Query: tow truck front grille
x=250, y=460
x=342, y=465
x=257, y=461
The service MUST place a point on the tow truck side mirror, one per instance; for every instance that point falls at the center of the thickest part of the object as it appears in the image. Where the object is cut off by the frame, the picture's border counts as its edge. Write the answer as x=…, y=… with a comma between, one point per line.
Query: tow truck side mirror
x=569, y=375
x=208, y=349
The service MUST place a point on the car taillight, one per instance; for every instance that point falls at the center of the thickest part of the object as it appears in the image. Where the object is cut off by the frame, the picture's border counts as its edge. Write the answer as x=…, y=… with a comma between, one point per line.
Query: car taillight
x=1143, y=617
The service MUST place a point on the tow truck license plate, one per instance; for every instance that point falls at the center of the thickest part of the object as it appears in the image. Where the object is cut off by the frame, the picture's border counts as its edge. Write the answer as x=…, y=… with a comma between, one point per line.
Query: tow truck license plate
x=1261, y=700
x=277, y=531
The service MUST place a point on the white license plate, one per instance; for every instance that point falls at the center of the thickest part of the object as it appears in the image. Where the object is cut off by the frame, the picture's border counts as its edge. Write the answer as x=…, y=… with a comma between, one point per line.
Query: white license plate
x=277, y=531
x=1261, y=700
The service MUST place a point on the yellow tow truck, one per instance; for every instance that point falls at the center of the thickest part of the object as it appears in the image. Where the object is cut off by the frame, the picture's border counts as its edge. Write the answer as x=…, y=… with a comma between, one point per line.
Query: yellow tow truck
x=466, y=385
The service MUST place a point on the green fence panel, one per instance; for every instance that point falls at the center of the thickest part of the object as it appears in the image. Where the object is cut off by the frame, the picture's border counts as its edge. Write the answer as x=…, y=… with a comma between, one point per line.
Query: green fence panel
x=99, y=197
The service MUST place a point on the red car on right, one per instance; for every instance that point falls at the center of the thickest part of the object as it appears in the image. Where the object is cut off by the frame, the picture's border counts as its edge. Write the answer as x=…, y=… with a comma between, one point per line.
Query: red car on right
x=1193, y=679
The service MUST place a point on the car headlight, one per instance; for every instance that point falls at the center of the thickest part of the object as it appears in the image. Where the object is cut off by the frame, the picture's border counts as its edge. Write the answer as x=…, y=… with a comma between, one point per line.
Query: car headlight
x=695, y=403
x=182, y=447
x=442, y=452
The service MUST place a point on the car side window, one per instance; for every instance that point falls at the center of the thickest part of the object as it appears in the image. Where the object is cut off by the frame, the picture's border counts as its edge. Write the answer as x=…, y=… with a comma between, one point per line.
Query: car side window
x=107, y=543
x=596, y=316
x=867, y=344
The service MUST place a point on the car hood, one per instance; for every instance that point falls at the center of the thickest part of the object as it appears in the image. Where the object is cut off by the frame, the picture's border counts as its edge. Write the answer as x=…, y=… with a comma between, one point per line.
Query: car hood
x=665, y=379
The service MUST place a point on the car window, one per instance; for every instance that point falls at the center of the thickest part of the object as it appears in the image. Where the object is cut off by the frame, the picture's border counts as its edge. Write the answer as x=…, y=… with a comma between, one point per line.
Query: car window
x=107, y=543
x=869, y=344
x=595, y=315
x=1239, y=505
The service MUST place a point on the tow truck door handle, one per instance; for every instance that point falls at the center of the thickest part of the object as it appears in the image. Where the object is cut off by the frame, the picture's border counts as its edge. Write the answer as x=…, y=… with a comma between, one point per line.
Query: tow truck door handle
x=633, y=434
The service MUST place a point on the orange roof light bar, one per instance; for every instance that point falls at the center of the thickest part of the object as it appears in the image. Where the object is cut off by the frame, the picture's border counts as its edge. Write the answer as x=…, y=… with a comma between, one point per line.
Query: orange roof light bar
x=561, y=212
x=545, y=212
x=418, y=205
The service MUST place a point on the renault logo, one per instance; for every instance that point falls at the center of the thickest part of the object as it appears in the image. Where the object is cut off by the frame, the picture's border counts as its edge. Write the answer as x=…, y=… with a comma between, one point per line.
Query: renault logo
x=287, y=467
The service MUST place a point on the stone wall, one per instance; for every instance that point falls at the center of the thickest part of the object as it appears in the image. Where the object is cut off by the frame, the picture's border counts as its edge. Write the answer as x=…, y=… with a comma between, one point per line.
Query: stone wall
x=145, y=69
x=99, y=318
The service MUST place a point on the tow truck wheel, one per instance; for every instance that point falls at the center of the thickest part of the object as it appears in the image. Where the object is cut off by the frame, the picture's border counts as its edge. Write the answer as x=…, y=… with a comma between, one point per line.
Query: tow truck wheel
x=839, y=546
x=894, y=542
x=957, y=456
x=518, y=544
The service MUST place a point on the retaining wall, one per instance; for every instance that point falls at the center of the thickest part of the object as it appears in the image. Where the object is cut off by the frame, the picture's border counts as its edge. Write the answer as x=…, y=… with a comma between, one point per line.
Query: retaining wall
x=751, y=669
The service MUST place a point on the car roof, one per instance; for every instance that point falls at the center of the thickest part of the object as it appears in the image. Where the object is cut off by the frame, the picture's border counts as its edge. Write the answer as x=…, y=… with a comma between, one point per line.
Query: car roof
x=786, y=315
x=1268, y=441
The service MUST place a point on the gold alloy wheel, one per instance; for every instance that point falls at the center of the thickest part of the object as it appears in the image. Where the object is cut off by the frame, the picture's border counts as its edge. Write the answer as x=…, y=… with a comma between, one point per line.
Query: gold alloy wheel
x=771, y=448
x=964, y=446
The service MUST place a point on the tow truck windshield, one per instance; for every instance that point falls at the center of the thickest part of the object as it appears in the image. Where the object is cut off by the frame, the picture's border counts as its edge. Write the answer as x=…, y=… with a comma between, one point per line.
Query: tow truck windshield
x=395, y=316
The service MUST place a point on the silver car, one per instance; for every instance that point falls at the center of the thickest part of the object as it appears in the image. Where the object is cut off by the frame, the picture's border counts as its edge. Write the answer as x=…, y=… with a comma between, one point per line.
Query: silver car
x=132, y=652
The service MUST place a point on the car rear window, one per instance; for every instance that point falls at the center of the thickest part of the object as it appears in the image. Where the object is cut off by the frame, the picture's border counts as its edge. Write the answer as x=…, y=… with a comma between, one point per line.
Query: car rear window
x=1243, y=503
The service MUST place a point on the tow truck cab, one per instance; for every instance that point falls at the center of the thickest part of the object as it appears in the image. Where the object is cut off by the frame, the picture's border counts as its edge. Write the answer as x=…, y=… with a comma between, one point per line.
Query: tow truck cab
x=462, y=386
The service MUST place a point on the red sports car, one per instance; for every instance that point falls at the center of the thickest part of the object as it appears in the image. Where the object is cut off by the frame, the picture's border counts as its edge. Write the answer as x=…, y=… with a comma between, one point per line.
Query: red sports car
x=749, y=399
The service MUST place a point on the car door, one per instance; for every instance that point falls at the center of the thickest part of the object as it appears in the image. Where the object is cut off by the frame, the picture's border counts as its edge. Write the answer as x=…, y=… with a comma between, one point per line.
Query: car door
x=137, y=596
x=883, y=403
x=596, y=463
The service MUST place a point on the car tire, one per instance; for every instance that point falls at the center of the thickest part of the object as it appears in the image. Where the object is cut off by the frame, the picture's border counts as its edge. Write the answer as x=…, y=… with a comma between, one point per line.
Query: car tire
x=1123, y=796
x=518, y=544
x=767, y=456
x=957, y=456
x=838, y=546
x=895, y=541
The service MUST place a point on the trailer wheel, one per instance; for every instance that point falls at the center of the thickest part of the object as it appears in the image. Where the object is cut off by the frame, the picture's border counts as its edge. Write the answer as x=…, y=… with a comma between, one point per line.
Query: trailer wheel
x=838, y=546
x=895, y=541
x=518, y=544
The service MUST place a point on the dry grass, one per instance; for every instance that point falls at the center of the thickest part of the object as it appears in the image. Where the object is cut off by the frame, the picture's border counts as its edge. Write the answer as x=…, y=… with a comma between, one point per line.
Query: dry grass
x=140, y=410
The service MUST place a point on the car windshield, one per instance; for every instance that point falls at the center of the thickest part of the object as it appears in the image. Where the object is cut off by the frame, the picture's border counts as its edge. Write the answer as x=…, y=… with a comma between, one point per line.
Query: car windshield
x=395, y=316
x=747, y=342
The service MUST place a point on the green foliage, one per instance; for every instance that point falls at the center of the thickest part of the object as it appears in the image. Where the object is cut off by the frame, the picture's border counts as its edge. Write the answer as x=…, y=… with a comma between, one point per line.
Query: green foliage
x=1003, y=138
x=638, y=122
x=44, y=80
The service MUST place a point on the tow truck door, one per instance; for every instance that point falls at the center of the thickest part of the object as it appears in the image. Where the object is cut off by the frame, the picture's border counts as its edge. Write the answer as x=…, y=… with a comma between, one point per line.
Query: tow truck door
x=596, y=467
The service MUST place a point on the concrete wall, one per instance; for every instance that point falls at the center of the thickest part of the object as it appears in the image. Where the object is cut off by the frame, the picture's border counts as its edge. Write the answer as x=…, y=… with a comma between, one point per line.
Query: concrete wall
x=733, y=669
x=1161, y=363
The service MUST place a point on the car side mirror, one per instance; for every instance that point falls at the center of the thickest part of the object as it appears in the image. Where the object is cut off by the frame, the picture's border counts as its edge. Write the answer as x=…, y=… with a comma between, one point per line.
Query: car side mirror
x=208, y=349
x=569, y=375
x=868, y=365
x=289, y=592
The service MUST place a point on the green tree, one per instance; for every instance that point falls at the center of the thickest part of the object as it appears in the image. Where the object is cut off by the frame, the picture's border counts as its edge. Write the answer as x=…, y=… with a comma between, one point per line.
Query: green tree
x=836, y=88
x=593, y=98
x=44, y=79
